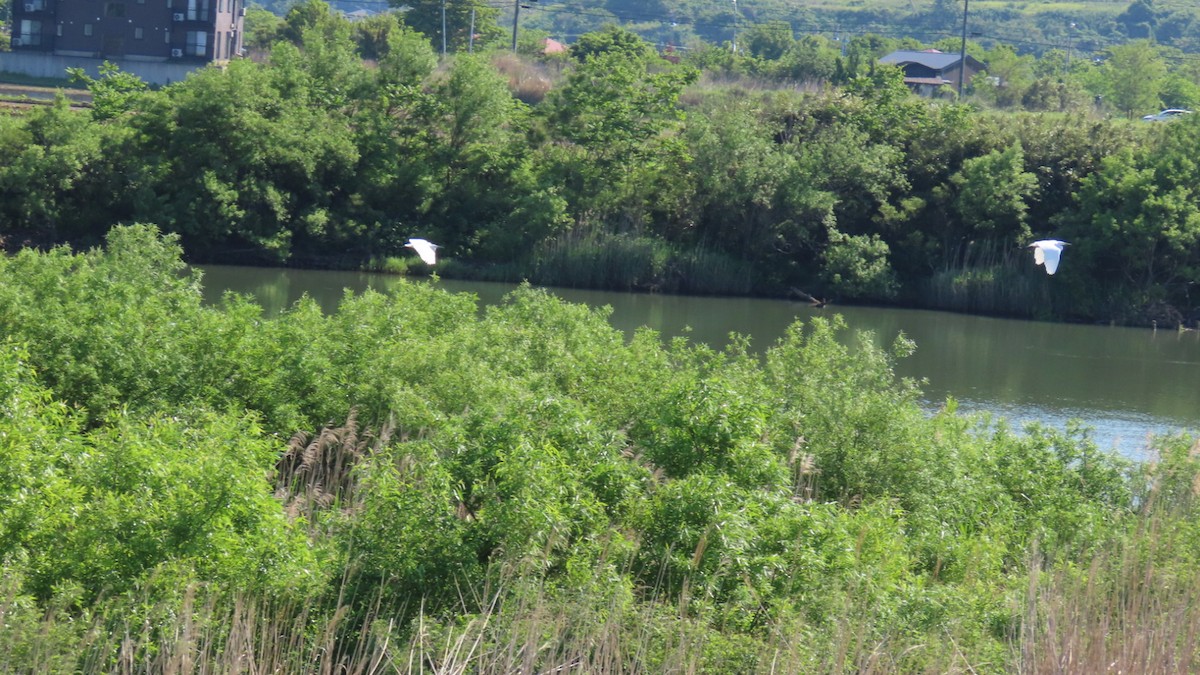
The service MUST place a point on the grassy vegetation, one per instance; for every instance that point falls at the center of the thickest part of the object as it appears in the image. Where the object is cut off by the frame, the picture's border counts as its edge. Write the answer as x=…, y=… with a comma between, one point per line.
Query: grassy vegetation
x=599, y=260
x=997, y=290
x=49, y=83
x=412, y=485
x=1101, y=8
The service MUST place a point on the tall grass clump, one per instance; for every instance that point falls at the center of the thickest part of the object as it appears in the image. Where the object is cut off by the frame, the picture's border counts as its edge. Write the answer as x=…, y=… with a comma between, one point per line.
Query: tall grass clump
x=997, y=290
x=704, y=271
x=529, y=81
x=626, y=261
x=1129, y=605
x=389, y=265
x=597, y=259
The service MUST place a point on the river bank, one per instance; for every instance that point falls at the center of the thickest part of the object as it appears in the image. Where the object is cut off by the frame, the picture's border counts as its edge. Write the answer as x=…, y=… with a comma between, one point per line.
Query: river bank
x=1126, y=383
x=668, y=281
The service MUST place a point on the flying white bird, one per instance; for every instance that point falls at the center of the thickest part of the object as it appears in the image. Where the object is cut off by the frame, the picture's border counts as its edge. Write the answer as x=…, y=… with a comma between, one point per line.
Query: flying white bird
x=1046, y=252
x=426, y=249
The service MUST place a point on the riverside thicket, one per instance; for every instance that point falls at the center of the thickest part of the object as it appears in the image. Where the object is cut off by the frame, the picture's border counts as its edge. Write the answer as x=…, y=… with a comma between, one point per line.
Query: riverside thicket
x=615, y=168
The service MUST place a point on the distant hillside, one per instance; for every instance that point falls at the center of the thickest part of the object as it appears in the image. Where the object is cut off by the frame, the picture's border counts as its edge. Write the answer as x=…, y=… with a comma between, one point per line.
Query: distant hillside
x=1082, y=27
x=1086, y=26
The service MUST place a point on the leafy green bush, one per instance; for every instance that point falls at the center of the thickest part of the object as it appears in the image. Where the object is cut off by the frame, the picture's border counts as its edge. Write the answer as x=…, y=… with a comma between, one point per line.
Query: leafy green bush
x=509, y=476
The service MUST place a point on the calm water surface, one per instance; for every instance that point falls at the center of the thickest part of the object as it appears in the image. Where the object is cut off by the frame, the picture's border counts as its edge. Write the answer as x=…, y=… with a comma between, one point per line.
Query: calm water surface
x=1126, y=383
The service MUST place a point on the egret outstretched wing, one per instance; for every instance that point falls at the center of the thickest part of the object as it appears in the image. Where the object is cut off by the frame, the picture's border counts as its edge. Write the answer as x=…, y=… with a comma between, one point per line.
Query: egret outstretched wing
x=1046, y=252
x=1051, y=257
x=424, y=248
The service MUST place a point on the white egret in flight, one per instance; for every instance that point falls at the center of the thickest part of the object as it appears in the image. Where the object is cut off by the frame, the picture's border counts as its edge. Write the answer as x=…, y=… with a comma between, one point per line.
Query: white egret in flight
x=1046, y=252
x=424, y=248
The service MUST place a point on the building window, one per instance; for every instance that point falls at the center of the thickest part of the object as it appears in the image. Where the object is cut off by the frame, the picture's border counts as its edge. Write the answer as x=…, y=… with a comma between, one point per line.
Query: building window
x=29, y=33
x=137, y=33
x=197, y=41
x=34, y=5
x=197, y=10
x=114, y=9
x=58, y=30
x=87, y=29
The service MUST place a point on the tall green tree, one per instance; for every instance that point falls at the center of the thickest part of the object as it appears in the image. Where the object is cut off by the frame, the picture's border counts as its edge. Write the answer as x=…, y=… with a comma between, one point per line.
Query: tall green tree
x=1138, y=222
x=810, y=59
x=425, y=16
x=992, y=194
x=63, y=176
x=738, y=170
x=612, y=39
x=1014, y=73
x=261, y=28
x=305, y=15
x=246, y=160
x=1139, y=20
x=768, y=41
x=115, y=92
x=1135, y=75
x=481, y=156
x=622, y=114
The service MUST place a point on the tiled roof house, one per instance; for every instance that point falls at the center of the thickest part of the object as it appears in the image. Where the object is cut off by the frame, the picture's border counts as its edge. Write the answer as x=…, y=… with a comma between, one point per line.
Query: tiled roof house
x=928, y=72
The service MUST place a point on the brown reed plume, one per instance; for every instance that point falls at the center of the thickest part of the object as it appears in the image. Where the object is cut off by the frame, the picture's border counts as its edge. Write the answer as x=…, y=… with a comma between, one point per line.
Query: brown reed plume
x=317, y=472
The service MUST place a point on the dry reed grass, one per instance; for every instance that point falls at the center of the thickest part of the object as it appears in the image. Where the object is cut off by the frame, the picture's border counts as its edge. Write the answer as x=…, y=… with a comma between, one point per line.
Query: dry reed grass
x=1121, y=614
x=527, y=80
x=317, y=472
x=1145, y=622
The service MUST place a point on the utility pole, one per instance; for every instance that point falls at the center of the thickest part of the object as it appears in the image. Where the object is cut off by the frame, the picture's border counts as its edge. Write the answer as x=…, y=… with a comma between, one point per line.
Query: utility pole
x=962, y=59
x=516, y=15
x=735, y=18
x=443, y=29
x=471, y=38
x=1070, y=35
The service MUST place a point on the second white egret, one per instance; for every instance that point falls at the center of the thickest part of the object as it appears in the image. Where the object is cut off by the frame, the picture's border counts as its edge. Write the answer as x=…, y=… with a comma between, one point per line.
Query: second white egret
x=1046, y=252
x=424, y=248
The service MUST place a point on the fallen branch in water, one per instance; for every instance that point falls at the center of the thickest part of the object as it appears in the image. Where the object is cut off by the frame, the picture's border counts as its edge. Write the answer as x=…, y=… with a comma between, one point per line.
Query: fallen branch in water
x=816, y=302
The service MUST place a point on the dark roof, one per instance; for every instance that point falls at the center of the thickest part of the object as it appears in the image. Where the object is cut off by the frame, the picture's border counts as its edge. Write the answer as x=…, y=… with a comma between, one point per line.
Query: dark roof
x=930, y=59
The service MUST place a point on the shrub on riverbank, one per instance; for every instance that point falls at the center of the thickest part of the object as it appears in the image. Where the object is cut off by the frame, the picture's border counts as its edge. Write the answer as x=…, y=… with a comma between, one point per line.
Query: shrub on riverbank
x=527, y=488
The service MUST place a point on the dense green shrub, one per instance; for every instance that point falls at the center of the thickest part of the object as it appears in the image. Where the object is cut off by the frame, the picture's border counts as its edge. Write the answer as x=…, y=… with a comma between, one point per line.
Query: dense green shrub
x=525, y=477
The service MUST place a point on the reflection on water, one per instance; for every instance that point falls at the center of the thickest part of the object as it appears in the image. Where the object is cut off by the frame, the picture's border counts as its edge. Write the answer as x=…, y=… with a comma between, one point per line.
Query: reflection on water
x=1125, y=382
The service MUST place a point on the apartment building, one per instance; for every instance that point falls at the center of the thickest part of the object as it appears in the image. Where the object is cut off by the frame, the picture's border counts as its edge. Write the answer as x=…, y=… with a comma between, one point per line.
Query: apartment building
x=189, y=32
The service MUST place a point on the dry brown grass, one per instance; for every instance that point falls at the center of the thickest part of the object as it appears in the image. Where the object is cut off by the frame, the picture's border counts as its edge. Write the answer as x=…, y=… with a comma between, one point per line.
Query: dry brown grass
x=529, y=81
x=1149, y=625
x=317, y=472
x=1135, y=608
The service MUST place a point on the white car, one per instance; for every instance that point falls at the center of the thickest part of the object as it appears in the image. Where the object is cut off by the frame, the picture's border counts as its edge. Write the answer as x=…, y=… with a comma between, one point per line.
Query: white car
x=1168, y=114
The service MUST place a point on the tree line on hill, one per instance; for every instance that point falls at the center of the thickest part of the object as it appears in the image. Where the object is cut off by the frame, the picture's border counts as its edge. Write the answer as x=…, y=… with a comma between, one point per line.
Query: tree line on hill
x=613, y=167
x=1085, y=28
